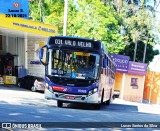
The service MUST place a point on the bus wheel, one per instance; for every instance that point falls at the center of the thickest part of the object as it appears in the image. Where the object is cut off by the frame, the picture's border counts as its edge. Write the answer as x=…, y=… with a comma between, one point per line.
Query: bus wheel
x=97, y=106
x=108, y=102
x=102, y=97
x=59, y=103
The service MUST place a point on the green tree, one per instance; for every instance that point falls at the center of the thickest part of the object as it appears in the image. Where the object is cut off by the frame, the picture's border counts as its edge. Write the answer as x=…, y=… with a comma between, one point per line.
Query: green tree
x=139, y=24
x=92, y=19
x=51, y=10
x=55, y=14
x=33, y=10
x=87, y=18
x=150, y=52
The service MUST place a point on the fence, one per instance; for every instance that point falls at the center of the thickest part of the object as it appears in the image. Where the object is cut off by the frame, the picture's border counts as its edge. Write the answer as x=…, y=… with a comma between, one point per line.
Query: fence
x=152, y=87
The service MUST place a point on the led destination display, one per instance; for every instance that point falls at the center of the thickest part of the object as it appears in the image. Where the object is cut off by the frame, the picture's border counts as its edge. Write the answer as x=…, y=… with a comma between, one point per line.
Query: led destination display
x=74, y=42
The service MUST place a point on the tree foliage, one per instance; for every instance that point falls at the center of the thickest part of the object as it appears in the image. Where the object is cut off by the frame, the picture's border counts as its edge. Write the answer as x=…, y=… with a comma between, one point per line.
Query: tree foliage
x=94, y=20
x=139, y=26
x=129, y=51
x=117, y=23
x=86, y=18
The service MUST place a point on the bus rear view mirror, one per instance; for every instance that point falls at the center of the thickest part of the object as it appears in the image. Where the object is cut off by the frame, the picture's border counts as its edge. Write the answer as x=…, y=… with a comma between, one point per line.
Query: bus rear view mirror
x=42, y=55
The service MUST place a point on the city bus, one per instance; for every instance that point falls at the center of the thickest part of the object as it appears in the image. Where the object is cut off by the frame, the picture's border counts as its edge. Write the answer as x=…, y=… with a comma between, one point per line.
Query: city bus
x=77, y=70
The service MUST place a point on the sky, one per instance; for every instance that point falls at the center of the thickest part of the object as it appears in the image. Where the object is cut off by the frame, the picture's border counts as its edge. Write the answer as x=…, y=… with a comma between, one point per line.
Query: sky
x=155, y=64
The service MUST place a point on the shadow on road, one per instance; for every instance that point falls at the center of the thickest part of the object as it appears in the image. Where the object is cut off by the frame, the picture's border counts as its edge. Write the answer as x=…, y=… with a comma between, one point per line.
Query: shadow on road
x=113, y=107
x=30, y=113
x=16, y=88
x=120, y=107
x=80, y=106
x=12, y=87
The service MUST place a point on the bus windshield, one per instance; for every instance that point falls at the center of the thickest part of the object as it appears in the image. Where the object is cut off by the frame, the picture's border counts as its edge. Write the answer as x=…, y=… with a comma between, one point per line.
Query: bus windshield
x=73, y=64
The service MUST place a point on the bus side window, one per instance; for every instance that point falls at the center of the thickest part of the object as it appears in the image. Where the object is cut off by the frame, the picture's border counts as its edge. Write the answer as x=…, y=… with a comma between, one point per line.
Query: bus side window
x=114, y=71
x=109, y=67
x=105, y=62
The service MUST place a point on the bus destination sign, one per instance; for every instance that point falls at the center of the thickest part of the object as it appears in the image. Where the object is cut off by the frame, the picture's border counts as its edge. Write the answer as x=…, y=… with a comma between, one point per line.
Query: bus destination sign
x=73, y=43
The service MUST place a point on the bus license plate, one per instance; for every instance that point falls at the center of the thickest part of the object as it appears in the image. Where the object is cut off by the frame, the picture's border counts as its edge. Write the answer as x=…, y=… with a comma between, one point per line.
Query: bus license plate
x=70, y=97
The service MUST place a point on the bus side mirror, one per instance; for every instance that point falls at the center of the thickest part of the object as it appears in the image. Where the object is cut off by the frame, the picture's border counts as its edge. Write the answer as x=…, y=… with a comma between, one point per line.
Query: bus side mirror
x=104, y=63
x=42, y=55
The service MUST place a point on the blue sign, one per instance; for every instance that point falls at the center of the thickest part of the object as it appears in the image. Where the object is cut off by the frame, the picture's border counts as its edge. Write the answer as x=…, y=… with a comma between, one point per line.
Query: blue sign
x=14, y=8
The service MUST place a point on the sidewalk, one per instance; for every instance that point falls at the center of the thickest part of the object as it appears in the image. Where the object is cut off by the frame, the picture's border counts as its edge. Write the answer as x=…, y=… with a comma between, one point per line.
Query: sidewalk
x=142, y=107
x=12, y=94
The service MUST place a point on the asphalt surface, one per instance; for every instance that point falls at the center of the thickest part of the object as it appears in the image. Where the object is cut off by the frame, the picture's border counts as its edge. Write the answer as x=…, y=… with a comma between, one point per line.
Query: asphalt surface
x=20, y=105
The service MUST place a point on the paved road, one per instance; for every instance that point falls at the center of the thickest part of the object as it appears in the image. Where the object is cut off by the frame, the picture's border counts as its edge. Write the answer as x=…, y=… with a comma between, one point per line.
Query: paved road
x=20, y=105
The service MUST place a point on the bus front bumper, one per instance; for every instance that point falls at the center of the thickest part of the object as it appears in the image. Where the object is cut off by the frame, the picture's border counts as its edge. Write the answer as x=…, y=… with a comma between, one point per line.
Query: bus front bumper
x=92, y=99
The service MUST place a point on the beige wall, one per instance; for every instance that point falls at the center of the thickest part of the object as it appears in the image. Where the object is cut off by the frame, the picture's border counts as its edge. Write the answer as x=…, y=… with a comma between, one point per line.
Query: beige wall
x=118, y=81
x=133, y=93
x=128, y=92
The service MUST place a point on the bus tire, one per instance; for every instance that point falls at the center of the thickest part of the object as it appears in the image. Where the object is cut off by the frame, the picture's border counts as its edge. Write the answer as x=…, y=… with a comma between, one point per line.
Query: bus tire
x=102, y=97
x=109, y=101
x=59, y=103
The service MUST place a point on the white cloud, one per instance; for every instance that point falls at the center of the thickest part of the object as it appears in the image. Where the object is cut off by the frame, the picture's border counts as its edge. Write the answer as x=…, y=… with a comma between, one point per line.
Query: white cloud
x=155, y=64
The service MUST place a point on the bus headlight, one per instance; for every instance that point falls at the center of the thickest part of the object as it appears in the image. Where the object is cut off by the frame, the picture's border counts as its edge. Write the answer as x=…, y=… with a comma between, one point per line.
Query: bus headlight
x=92, y=91
x=49, y=87
x=95, y=90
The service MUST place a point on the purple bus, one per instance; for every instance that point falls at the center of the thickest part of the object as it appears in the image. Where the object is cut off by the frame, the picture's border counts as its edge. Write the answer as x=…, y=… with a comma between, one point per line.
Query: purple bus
x=77, y=70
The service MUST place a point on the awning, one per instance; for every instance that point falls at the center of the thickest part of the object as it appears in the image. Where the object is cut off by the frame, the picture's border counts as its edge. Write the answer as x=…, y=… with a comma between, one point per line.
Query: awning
x=23, y=27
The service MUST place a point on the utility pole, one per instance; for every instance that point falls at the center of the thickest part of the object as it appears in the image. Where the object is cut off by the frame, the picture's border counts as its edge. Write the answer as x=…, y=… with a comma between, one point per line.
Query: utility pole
x=136, y=35
x=40, y=8
x=65, y=17
x=145, y=49
x=144, y=54
x=135, y=51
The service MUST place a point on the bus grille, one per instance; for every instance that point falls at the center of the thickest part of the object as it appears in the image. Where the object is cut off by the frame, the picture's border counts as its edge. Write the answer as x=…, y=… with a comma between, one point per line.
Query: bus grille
x=63, y=96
